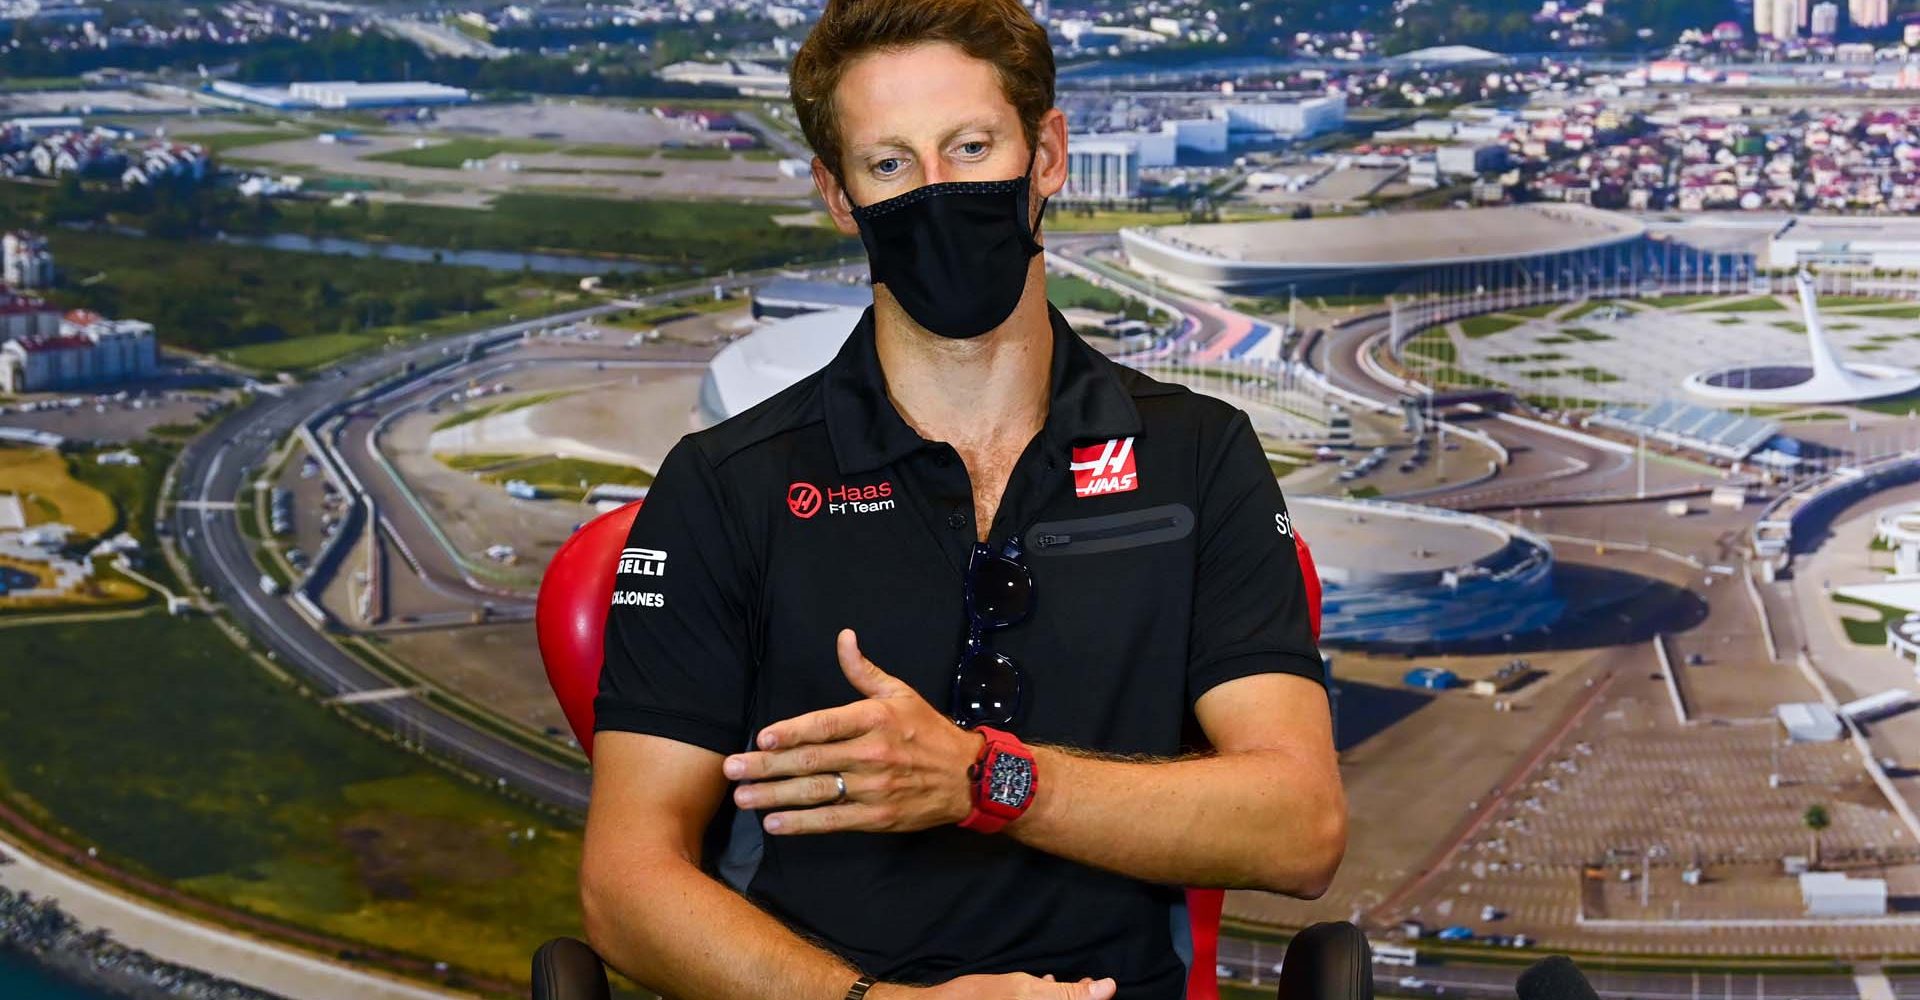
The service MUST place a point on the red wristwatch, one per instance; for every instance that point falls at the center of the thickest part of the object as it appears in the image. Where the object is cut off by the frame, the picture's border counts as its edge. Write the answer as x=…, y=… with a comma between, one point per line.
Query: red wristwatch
x=1003, y=780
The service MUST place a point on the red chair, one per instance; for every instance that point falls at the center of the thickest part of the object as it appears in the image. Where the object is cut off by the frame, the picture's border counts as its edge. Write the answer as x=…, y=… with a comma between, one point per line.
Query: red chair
x=570, y=617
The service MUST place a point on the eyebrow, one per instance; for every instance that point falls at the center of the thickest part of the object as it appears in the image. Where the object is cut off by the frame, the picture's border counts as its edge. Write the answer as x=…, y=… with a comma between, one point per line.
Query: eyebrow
x=988, y=125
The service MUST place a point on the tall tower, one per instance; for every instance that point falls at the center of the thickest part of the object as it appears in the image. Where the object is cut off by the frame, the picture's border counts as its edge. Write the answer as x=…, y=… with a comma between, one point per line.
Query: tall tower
x=1827, y=369
x=1763, y=18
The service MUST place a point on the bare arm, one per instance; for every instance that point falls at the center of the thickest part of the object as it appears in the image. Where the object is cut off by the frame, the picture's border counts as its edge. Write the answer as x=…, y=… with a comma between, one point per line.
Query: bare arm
x=1265, y=812
x=653, y=914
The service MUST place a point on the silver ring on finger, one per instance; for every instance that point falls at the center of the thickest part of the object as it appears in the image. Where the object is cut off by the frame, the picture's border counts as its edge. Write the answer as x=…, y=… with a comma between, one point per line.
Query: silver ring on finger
x=842, y=783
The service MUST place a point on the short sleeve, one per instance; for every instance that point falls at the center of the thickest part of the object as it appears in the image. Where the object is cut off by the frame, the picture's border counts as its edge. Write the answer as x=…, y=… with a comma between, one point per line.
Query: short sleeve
x=1250, y=613
x=678, y=658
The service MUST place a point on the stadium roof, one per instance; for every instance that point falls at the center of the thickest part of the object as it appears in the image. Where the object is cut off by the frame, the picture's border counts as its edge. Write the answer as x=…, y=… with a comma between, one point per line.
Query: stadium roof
x=1456, y=54
x=771, y=358
x=1704, y=428
x=1402, y=238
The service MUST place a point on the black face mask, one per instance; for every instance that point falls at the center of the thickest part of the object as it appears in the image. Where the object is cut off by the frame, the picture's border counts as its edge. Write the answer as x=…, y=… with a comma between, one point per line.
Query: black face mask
x=953, y=254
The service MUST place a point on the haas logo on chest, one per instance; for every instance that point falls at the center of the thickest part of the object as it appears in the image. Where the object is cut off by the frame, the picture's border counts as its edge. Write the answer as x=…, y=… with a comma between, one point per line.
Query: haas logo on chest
x=1104, y=468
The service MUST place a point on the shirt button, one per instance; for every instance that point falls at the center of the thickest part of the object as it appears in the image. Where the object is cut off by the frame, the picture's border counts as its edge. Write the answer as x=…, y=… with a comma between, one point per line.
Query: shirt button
x=956, y=520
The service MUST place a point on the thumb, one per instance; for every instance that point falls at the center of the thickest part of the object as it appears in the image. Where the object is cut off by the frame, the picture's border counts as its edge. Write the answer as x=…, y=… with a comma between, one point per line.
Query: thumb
x=865, y=675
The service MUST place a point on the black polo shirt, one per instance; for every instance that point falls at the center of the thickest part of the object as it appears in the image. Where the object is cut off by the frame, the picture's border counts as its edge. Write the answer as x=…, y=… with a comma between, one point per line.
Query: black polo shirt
x=1163, y=564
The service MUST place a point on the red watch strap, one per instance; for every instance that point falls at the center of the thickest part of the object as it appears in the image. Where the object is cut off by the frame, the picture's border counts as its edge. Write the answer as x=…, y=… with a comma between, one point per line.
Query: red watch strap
x=988, y=816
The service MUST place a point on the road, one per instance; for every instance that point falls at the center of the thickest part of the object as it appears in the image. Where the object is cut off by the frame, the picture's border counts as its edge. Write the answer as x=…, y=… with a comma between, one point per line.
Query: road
x=225, y=460
x=1241, y=959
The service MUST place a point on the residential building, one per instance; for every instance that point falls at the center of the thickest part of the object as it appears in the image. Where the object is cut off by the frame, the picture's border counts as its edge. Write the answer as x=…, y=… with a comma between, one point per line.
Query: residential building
x=25, y=261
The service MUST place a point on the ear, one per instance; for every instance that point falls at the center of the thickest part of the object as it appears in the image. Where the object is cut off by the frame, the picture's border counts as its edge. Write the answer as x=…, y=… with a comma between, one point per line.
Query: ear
x=1051, y=176
x=838, y=207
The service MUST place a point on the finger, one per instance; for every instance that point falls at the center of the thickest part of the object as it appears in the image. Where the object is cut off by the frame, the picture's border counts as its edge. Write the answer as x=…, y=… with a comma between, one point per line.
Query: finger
x=865, y=675
x=841, y=722
x=830, y=819
x=807, y=790
x=813, y=758
x=1085, y=989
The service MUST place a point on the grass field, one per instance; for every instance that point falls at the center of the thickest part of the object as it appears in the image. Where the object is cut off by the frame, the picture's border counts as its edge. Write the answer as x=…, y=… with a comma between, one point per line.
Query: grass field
x=1582, y=333
x=1889, y=312
x=451, y=154
x=1432, y=345
x=221, y=142
x=1677, y=301
x=1868, y=631
x=301, y=354
x=227, y=784
x=49, y=492
x=1536, y=311
x=1476, y=327
x=561, y=477
x=652, y=316
x=506, y=406
x=701, y=237
x=1758, y=303
x=696, y=153
x=1067, y=291
x=610, y=150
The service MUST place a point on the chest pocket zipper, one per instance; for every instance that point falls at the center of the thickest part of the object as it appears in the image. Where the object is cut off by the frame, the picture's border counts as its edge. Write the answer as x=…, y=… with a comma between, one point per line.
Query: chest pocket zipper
x=1107, y=532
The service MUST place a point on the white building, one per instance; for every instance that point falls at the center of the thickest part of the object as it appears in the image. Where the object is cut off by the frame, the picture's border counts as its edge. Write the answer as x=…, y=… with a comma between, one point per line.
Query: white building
x=1833, y=894
x=1786, y=19
x=338, y=94
x=1842, y=243
x=1101, y=167
x=1826, y=19
x=26, y=316
x=749, y=78
x=1106, y=165
x=25, y=261
x=1294, y=119
x=87, y=349
x=1867, y=13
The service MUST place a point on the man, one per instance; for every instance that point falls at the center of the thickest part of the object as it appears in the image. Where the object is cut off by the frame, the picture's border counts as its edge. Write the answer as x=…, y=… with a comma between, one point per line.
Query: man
x=903, y=661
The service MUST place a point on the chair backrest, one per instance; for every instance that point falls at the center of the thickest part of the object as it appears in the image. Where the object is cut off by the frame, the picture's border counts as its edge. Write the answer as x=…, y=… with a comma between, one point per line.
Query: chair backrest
x=570, y=617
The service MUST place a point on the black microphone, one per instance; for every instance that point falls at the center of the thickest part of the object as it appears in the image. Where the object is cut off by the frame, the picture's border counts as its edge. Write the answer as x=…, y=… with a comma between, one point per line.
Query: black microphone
x=1554, y=978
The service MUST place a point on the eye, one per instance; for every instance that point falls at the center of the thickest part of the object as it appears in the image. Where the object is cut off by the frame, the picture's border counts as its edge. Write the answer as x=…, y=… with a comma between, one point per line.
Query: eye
x=973, y=148
x=887, y=166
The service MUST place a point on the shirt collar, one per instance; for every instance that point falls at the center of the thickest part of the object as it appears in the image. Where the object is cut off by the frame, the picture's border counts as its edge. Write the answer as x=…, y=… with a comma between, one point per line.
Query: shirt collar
x=1087, y=402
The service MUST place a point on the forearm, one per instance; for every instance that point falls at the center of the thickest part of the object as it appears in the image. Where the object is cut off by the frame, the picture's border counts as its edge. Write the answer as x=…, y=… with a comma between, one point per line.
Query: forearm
x=1257, y=820
x=679, y=932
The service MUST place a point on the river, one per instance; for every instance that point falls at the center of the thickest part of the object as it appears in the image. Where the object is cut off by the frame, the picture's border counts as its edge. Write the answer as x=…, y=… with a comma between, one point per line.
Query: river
x=496, y=260
x=20, y=979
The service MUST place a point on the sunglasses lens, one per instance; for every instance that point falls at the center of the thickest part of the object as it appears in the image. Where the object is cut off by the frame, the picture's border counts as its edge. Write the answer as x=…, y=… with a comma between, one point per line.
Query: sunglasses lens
x=1002, y=591
x=986, y=690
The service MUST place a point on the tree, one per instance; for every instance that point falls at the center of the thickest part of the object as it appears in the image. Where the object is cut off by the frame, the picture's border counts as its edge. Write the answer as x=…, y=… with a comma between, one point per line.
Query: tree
x=1817, y=820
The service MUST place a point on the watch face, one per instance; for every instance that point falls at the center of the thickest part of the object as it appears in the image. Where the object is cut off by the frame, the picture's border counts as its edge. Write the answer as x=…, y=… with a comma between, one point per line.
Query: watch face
x=1011, y=780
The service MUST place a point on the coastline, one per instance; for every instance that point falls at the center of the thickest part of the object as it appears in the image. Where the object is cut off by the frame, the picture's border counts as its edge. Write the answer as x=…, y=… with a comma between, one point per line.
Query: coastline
x=44, y=937
x=172, y=947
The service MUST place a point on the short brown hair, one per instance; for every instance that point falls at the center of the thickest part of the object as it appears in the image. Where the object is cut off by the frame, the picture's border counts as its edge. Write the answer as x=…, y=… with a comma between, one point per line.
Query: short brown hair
x=1001, y=32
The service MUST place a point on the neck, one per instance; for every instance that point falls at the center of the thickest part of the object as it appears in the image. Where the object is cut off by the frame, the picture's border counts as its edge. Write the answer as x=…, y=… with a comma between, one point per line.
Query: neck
x=977, y=392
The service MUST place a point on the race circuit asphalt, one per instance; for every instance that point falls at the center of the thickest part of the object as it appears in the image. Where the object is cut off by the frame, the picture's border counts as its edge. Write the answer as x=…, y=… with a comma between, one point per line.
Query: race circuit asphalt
x=221, y=462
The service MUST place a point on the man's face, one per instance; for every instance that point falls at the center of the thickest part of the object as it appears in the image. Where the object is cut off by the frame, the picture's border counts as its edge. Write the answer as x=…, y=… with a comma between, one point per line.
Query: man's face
x=928, y=115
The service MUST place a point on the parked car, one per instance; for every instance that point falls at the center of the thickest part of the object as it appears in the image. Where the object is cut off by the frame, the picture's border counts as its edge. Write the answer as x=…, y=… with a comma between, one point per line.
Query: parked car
x=1457, y=932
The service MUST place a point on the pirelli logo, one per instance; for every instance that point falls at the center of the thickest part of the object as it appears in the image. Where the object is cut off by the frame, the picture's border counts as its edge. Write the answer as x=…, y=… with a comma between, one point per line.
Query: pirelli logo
x=642, y=562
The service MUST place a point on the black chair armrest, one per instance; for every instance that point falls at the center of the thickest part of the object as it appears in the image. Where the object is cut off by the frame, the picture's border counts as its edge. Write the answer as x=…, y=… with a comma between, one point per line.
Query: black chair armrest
x=566, y=969
x=1329, y=961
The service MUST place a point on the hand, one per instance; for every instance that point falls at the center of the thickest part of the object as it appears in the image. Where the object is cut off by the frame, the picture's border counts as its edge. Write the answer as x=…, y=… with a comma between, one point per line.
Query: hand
x=905, y=763
x=1013, y=986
